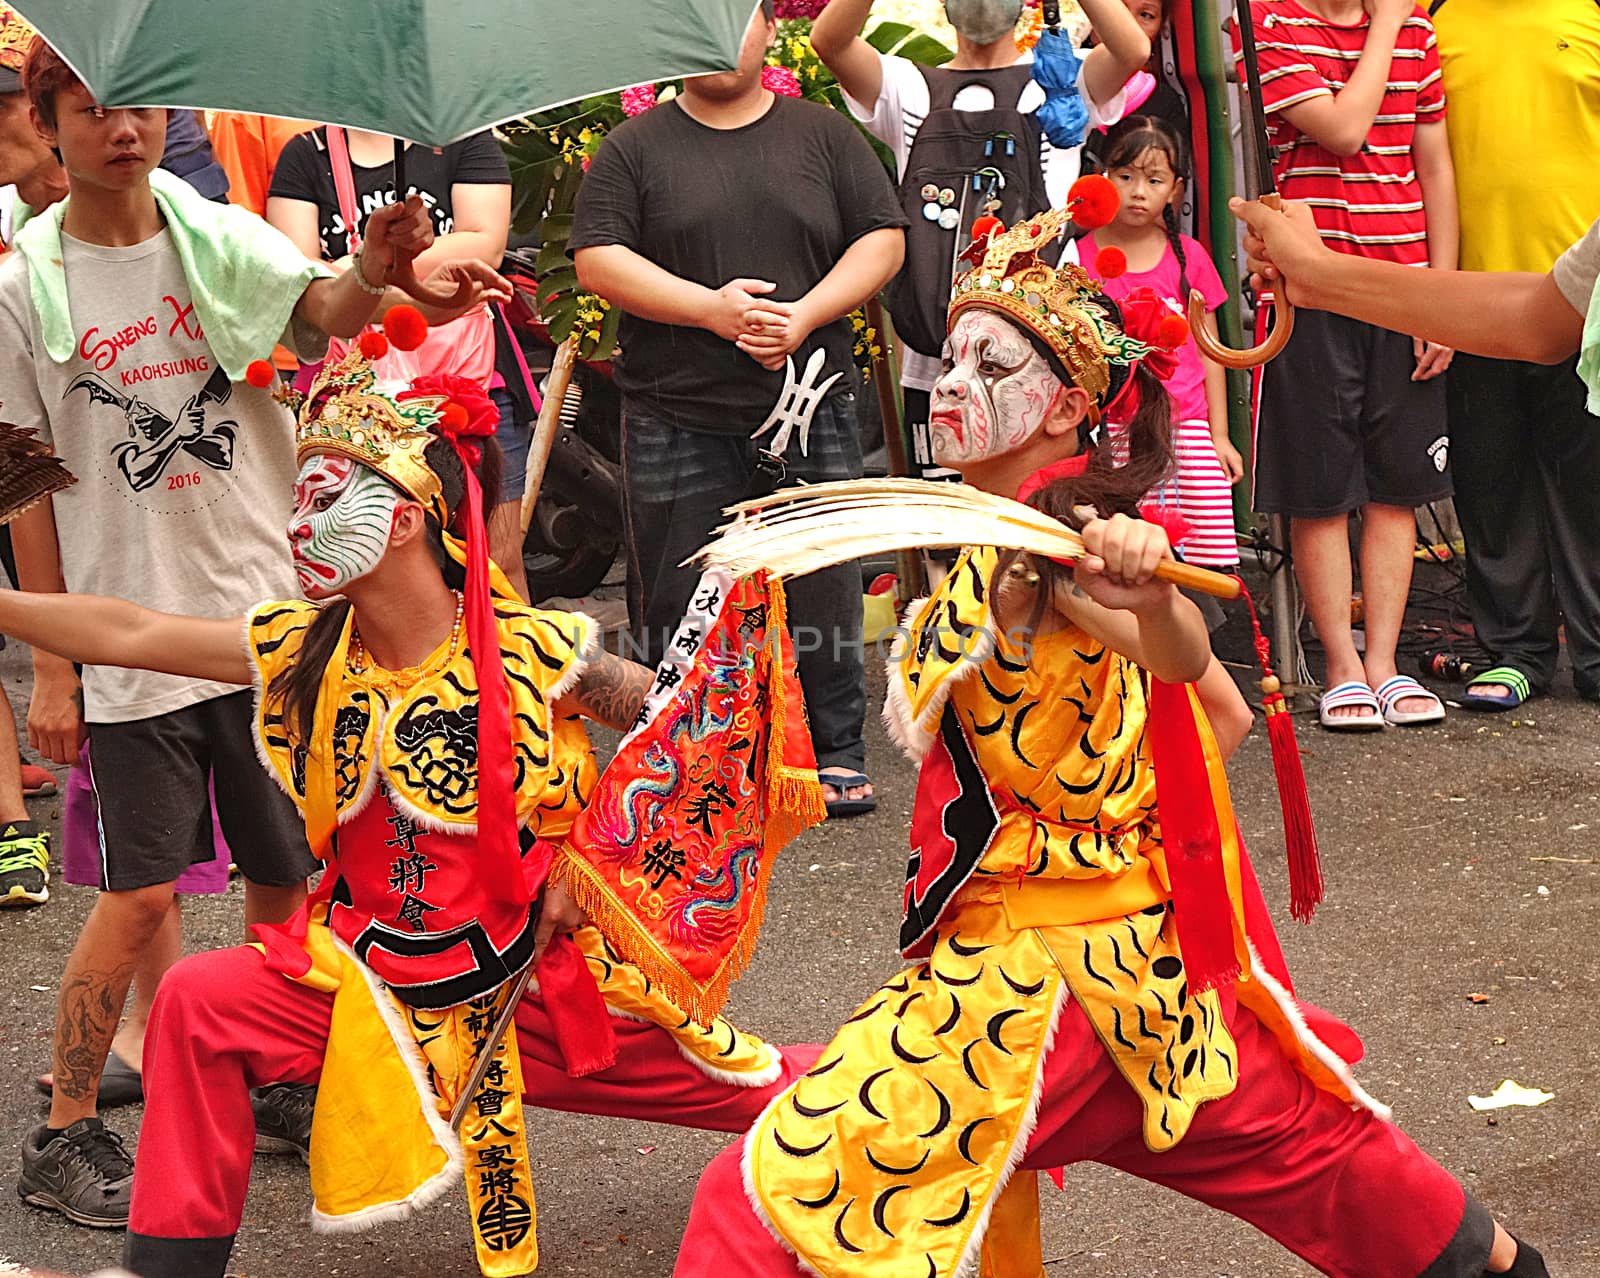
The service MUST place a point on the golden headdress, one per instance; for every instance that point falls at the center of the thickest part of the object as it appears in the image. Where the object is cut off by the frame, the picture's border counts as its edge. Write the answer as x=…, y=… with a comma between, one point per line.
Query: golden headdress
x=15, y=37
x=347, y=414
x=1062, y=305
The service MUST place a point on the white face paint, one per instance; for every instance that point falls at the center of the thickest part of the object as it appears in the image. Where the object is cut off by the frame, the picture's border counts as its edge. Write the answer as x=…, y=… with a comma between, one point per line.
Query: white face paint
x=994, y=394
x=340, y=527
x=983, y=21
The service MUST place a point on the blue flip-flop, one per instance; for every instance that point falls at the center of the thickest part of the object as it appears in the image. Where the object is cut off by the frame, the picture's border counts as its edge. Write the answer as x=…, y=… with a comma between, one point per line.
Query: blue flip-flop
x=842, y=781
x=1508, y=677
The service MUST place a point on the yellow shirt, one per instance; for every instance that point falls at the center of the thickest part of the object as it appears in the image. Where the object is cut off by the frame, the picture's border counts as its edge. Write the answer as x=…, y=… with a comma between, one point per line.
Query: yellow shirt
x=1523, y=82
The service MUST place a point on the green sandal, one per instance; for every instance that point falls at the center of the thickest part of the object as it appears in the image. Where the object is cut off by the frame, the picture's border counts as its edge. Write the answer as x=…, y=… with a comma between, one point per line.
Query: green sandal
x=1507, y=677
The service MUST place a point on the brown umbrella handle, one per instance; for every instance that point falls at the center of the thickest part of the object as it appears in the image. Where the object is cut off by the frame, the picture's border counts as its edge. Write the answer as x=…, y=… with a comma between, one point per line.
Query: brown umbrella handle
x=1283, y=325
x=544, y=432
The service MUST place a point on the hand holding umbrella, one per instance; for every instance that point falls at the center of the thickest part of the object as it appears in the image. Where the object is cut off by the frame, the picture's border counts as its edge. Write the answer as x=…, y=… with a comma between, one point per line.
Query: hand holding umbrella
x=396, y=235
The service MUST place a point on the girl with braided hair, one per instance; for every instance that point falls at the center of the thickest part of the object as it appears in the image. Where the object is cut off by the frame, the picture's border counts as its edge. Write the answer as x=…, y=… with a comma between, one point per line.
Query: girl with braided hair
x=1142, y=252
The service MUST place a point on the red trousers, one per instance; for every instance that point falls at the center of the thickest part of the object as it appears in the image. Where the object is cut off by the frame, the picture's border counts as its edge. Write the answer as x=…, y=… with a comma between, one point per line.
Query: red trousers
x=1342, y=1190
x=224, y=1022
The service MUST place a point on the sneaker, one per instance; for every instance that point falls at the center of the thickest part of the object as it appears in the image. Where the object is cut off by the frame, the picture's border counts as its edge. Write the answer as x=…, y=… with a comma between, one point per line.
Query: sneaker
x=37, y=782
x=283, y=1119
x=24, y=864
x=82, y=1172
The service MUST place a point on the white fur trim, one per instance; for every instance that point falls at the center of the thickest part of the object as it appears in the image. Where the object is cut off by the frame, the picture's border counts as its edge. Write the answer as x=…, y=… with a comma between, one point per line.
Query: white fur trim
x=1325, y=1055
x=767, y=1075
x=444, y=1136
x=912, y=734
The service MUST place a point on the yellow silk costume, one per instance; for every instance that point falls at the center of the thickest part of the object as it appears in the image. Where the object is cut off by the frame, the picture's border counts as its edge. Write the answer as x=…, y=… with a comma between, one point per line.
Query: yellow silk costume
x=395, y=1068
x=889, y=1156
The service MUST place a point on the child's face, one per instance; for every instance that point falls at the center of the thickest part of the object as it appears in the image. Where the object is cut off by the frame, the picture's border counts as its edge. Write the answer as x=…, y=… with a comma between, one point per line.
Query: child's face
x=114, y=149
x=1148, y=14
x=994, y=393
x=1147, y=186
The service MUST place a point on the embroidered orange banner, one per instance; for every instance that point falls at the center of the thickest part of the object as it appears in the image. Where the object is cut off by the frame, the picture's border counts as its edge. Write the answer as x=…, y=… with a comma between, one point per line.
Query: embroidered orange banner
x=675, y=848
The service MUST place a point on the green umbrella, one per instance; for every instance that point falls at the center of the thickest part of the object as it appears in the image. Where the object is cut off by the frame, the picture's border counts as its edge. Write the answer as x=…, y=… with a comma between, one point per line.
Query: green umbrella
x=432, y=71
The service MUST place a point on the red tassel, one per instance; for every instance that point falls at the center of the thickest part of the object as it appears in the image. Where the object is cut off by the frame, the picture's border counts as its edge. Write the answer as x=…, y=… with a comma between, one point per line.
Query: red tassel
x=1299, y=832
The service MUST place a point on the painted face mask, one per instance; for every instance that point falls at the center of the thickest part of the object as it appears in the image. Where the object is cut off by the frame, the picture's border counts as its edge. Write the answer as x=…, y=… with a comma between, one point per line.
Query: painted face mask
x=341, y=521
x=994, y=394
x=983, y=21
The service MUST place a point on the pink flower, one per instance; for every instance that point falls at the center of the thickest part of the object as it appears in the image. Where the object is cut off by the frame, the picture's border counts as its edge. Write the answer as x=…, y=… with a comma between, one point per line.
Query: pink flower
x=639, y=99
x=780, y=80
x=800, y=9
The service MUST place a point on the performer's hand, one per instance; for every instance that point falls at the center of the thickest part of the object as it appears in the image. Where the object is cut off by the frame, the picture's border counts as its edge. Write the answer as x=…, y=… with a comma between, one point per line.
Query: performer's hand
x=742, y=308
x=557, y=913
x=1432, y=359
x=771, y=346
x=483, y=284
x=1283, y=247
x=1119, y=564
x=396, y=233
x=55, y=711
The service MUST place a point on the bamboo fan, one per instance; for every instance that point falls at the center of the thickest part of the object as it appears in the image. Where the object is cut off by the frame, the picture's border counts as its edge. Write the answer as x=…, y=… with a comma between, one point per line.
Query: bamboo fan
x=799, y=530
x=29, y=472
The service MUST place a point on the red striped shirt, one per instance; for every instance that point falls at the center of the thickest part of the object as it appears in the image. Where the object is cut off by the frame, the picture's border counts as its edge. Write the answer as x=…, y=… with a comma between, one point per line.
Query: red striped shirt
x=1370, y=203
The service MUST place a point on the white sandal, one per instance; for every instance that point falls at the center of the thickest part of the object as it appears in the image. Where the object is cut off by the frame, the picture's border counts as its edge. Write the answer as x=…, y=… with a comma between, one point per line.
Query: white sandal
x=1353, y=693
x=1401, y=688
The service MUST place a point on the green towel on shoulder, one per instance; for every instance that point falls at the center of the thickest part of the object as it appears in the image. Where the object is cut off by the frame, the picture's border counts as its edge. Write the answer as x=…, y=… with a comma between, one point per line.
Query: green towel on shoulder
x=245, y=277
x=1589, y=352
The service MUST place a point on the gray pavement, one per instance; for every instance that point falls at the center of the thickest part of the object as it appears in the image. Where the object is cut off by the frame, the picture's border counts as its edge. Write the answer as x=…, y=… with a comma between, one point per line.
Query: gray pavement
x=1460, y=860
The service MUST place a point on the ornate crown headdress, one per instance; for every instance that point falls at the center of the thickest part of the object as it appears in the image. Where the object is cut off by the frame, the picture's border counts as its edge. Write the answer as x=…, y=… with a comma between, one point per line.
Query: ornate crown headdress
x=1062, y=305
x=346, y=413
x=15, y=38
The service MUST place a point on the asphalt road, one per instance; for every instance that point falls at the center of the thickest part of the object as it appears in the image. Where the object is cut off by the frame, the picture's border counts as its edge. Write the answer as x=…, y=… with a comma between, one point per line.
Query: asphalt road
x=1460, y=860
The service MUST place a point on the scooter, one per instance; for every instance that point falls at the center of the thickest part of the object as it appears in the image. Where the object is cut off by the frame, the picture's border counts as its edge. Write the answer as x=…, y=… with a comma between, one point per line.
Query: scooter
x=576, y=530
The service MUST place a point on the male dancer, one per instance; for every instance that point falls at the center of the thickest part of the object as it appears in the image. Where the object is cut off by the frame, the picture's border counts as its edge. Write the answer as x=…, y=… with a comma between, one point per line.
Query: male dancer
x=1095, y=975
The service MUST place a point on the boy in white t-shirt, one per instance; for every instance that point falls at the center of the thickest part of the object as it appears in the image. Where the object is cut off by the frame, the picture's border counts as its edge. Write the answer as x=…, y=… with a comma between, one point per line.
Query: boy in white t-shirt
x=127, y=314
x=890, y=96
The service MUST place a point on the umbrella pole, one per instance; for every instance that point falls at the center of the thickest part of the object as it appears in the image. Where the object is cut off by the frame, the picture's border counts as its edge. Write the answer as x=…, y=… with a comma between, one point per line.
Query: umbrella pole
x=544, y=431
x=908, y=563
x=400, y=170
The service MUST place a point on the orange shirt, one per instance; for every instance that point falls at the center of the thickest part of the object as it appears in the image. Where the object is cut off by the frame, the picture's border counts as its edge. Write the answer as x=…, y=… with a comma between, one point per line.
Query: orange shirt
x=247, y=147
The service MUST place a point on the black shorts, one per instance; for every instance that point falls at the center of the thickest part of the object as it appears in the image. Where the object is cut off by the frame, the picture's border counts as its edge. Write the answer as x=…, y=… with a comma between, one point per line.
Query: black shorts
x=1342, y=424
x=150, y=780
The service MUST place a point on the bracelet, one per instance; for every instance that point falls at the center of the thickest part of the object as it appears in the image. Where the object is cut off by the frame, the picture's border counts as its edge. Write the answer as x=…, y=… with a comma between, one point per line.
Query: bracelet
x=367, y=287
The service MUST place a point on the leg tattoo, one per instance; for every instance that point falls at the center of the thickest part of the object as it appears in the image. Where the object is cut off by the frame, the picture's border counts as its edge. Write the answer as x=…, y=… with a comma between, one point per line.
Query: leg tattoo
x=90, y=1007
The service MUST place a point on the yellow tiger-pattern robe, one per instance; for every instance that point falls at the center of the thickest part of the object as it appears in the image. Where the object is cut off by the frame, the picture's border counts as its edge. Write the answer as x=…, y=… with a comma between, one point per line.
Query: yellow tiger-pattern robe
x=387, y=1067
x=888, y=1157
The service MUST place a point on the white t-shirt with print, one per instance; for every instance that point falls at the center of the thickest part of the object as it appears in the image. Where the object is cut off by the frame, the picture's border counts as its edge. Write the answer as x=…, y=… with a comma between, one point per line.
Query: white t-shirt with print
x=903, y=105
x=185, y=480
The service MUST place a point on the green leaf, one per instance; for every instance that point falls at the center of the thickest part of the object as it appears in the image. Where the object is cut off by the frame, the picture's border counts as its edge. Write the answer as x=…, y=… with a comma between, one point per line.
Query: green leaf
x=556, y=226
x=925, y=49
x=563, y=281
x=552, y=258
x=886, y=35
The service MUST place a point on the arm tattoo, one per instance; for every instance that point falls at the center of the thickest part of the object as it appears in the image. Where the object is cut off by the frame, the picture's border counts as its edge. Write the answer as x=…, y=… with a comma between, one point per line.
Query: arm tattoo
x=612, y=690
x=90, y=1007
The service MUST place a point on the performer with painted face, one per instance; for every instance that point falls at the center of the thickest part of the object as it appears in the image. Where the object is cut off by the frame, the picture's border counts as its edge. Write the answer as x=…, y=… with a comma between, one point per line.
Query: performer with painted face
x=1094, y=976
x=426, y=724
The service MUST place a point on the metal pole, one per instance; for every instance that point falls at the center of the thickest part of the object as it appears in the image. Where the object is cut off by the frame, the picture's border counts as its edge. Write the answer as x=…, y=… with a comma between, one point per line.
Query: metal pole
x=908, y=563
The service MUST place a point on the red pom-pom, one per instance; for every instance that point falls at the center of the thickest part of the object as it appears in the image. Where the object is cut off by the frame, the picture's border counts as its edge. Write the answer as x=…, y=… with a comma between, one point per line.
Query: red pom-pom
x=1110, y=262
x=453, y=418
x=1093, y=200
x=260, y=374
x=405, y=327
x=373, y=345
x=986, y=226
x=1172, y=332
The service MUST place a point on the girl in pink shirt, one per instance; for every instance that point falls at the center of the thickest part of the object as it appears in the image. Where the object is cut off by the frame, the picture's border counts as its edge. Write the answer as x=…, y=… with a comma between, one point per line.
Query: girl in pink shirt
x=1148, y=159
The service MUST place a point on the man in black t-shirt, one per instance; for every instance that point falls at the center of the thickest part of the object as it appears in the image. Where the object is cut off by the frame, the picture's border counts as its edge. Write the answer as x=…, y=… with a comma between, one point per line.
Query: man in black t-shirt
x=736, y=229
